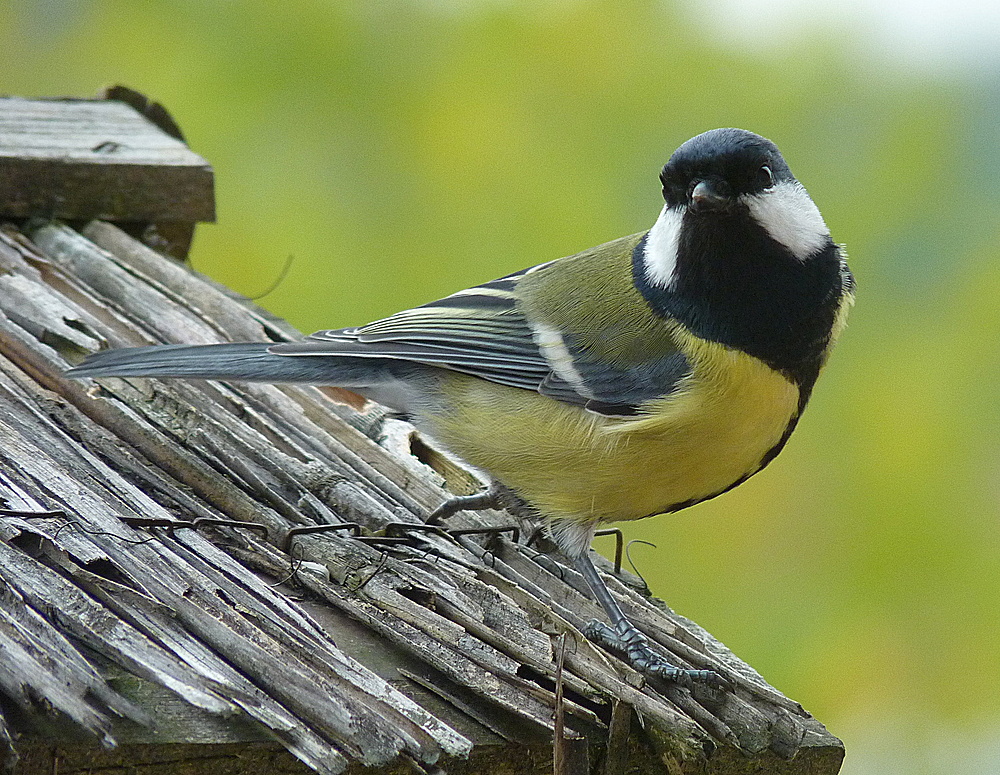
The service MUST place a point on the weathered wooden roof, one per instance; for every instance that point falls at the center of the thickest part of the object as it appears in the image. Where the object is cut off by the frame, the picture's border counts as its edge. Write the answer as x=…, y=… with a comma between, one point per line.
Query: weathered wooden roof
x=133, y=616
x=118, y=156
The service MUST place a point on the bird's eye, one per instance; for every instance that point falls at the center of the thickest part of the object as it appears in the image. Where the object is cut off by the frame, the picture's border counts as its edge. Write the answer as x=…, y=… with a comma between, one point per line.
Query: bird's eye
x=764, y=178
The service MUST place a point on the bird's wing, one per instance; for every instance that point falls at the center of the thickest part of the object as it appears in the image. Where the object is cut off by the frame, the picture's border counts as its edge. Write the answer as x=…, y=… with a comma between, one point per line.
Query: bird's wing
x=483, y=331
x=478, y=331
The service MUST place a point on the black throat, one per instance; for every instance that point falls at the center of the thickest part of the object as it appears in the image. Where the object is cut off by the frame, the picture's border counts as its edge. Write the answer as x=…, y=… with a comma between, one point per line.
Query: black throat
x=733, y=284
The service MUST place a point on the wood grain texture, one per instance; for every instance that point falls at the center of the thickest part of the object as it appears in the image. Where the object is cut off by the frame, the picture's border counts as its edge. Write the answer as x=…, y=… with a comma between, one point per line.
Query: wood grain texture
x=100, y=158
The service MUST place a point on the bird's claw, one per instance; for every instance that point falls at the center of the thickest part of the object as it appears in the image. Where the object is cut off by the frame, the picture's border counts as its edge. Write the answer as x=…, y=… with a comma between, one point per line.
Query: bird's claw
x=627, y=640
x=496, y=496
x=487, y=499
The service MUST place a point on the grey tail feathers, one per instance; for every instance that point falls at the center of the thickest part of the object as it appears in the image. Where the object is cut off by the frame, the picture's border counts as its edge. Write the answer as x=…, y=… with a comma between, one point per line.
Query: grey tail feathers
x=243, y=362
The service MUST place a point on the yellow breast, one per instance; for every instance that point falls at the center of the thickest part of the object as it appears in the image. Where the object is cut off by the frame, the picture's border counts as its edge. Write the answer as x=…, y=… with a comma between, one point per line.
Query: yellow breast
x=569, y=463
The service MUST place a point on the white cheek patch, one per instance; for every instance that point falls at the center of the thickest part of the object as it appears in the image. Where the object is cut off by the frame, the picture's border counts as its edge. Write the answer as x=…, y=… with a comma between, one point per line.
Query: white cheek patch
x=790, y=217
x=660, y=254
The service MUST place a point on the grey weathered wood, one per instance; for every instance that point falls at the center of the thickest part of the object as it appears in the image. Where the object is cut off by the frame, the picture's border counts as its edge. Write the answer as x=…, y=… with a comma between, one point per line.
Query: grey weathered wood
x=470, y=623
x=99, y=158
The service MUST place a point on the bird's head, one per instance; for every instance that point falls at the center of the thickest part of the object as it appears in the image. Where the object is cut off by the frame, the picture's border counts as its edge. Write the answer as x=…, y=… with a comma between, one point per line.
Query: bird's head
x=733, y=173
x=715, y=170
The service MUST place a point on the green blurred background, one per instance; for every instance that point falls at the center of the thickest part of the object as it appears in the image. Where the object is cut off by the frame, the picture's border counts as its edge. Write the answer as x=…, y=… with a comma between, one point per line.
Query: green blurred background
x=405, y=149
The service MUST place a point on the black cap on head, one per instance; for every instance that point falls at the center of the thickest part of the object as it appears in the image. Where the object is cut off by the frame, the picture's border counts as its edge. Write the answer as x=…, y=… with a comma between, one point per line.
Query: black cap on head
x=734, y=161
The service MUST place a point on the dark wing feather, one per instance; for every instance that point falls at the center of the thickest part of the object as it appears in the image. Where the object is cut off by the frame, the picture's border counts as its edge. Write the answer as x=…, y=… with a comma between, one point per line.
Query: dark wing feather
x=479, y=332
x=483, y=332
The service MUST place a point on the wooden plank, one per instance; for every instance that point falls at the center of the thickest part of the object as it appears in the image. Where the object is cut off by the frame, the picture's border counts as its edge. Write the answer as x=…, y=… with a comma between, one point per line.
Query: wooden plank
x=82, y=159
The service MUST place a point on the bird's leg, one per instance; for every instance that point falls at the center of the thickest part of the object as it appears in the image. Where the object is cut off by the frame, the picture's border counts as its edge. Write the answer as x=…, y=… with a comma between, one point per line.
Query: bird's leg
x=624, y=637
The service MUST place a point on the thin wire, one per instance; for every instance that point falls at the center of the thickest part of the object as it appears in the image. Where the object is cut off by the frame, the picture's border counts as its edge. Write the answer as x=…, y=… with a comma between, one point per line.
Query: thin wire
x=378, y=569
x=280, y=279
x=293, y=572
x=88, y=531
x=628, y=556
x=69, y=521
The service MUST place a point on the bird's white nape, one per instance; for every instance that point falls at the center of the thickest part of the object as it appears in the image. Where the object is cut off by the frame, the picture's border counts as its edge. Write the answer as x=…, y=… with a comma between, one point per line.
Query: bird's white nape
x=790, y=217
x=660, y=253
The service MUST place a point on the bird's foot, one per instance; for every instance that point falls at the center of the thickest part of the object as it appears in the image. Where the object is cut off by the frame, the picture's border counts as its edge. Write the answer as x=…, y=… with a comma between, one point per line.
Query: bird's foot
x=487, y=499
x=627, y=640
x=496, y=496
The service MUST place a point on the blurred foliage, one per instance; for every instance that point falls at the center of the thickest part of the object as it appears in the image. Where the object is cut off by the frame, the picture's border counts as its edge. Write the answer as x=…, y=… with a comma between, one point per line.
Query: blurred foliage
x=404, y=149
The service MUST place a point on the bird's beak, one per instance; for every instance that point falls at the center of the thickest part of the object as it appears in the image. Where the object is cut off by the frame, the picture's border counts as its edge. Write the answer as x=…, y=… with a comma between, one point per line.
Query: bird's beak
x=708, y=196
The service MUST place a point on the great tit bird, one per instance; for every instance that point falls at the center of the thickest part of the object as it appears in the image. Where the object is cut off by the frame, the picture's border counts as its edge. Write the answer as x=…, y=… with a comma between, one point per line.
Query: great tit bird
x=636, y=378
